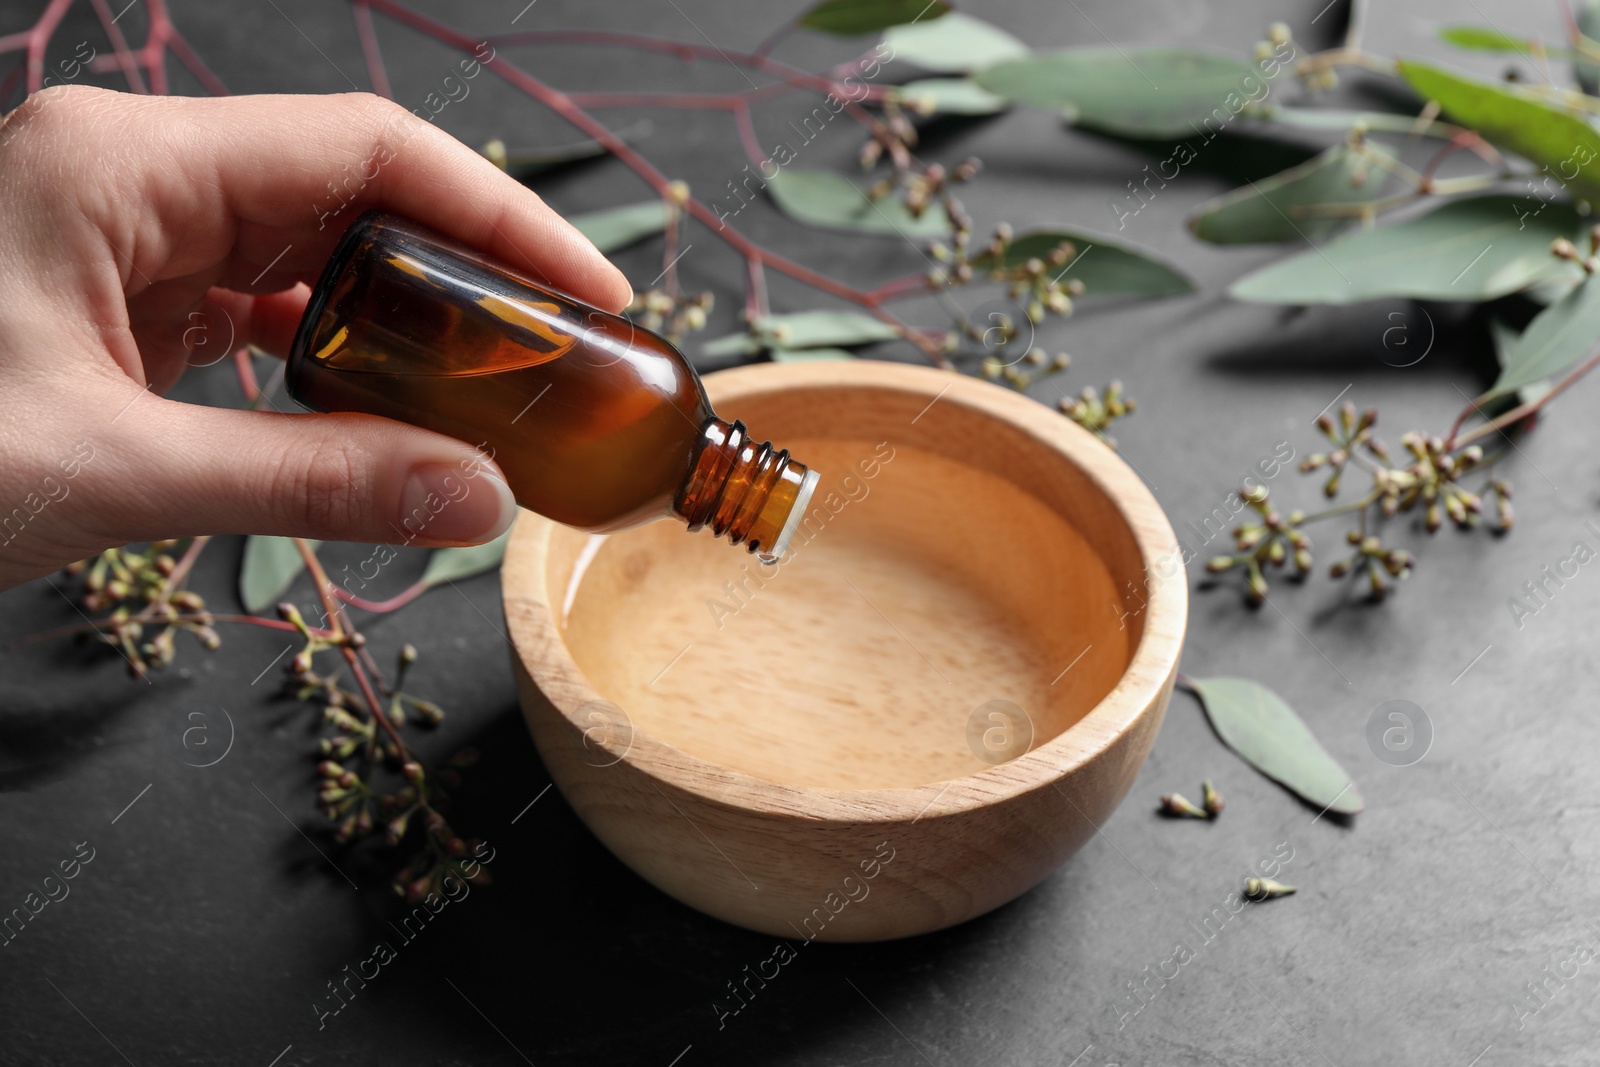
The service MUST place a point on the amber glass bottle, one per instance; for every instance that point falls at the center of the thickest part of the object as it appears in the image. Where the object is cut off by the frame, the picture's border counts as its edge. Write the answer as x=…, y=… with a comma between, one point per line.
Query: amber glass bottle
x=596, y=422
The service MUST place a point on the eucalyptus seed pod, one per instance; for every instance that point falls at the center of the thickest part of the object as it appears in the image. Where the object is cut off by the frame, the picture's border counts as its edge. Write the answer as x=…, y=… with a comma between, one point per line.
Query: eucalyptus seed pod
x=1177, y=804
x=1259, y=889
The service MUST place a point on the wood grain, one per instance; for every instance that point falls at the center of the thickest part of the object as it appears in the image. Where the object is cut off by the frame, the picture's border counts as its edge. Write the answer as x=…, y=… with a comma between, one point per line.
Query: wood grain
x=808, y=750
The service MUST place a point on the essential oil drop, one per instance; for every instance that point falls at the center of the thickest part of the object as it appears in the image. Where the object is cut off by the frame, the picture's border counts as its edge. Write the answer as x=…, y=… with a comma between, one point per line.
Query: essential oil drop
x=597, y=423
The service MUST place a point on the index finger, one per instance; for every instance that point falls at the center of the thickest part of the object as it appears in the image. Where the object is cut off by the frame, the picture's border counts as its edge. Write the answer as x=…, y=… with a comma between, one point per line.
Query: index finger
x=256, y=190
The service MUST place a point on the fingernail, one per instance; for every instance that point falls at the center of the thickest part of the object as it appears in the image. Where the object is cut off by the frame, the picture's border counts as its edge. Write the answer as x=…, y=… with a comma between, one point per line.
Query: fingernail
x=440, y=503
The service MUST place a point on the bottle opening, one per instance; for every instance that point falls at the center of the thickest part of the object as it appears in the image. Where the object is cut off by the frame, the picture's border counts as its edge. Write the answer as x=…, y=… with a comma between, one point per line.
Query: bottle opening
x=749, y=492
x=797, y=512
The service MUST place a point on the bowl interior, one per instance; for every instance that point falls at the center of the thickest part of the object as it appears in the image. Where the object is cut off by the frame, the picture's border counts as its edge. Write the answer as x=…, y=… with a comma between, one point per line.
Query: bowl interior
x=954, y=599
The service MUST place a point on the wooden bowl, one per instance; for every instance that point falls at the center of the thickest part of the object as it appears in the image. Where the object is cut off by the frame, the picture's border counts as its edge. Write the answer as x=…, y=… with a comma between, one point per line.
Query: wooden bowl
x=936, y=697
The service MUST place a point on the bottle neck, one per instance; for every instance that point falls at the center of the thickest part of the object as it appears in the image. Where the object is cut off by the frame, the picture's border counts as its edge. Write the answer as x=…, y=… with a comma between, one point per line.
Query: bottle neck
x=747, y=491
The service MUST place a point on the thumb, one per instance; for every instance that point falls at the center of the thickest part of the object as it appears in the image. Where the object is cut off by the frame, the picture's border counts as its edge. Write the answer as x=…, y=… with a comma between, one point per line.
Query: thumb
x=342, y=477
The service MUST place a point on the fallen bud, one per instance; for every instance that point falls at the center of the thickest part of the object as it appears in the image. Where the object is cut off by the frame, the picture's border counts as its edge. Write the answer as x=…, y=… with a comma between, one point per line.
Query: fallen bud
x=1178, y=805
x=1259, y=889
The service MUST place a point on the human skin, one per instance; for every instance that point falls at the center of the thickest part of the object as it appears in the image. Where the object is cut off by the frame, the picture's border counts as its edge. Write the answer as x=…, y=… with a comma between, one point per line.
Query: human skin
x=138, y=230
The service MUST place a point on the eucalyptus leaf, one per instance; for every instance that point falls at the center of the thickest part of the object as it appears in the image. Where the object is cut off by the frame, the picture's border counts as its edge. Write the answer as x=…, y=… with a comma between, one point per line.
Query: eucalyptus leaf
x=1256, y=723
x=823, y=198
x=1141, y=92
x=809, y=355
x=803, y=330
x=455, y=564
x=1505, y=339
x=618, y=227
x=1295, y=205
x=949, y=96
x=1321, y=118
x=529, y=163
x=846, y=18
x=1586, y=49
x=1105, y=266
x=1556, y=339
x=953, y=44
x=1516, y=119
x=1476, y=248
x=1487, y=39
x=270, y=565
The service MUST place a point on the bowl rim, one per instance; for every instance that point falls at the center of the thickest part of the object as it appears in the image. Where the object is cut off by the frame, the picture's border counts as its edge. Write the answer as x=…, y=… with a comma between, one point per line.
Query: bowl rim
x=1141, y=690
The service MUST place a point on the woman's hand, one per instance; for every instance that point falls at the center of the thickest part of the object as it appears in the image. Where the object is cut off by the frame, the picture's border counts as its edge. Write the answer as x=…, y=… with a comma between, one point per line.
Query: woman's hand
x=142, y=235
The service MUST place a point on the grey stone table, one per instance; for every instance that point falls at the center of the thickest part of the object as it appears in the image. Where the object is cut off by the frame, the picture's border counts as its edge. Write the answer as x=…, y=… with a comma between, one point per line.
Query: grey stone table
x=206, y=924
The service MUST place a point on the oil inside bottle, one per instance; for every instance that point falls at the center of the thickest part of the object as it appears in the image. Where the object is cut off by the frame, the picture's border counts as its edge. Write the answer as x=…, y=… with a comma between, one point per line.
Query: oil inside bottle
x=596, y=422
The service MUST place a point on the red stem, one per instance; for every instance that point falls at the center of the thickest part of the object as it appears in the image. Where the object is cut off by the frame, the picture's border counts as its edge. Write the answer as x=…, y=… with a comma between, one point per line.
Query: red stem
x=120, y=51
x=247, y=375
x=755, y=299
x=194, y=64
x=765, y=48
x=327, y=592
x=37, y=39
x=1522, y=411
x=252, y=620
x=1467, y=139
x=695, y=101
x=380, y=607
x=898, y=287
x=747, y=135
x=562, y=105
x=369, y=48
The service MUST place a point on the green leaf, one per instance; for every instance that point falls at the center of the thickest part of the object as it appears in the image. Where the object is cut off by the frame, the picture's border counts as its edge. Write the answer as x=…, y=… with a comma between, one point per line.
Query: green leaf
x=530, y=163
x=956, y=43
x=1255, y=722
x=455, y=564
x=802, y=330
x=270, y=566
x=846, y=18
x=949, y=96
x=1556, y=339
x=1517, y=120
x=1486, y=39
x=1320, y=118
x=1105, y=266
x=1285, y=207
x=1477, y=248
x=822, y=198
x=1586, y=49
x=619, y=227
x=809, y=355
x=1149, y=92
x=1505, y=339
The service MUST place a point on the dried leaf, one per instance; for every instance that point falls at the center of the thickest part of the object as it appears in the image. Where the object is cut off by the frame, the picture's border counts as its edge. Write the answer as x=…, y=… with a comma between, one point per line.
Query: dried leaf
x=1256, y=723
x=846, y=18
x=270, y=565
